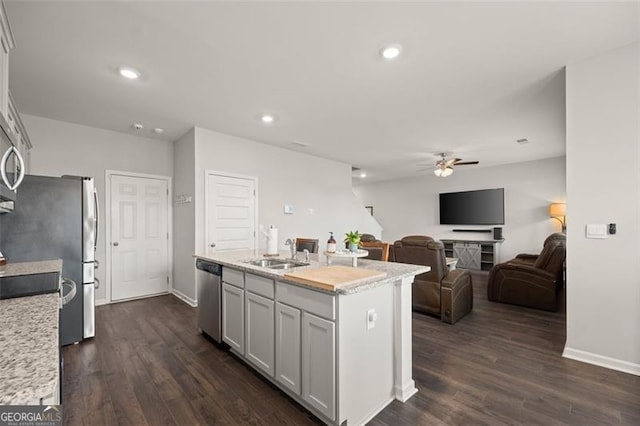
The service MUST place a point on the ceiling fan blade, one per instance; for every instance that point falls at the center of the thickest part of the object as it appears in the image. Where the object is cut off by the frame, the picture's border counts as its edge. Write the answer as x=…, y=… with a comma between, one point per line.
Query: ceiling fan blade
x=452, y=161
x=465, y=163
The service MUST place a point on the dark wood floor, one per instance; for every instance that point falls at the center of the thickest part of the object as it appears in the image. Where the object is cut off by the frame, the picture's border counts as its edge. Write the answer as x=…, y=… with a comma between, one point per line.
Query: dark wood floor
x=499, y=365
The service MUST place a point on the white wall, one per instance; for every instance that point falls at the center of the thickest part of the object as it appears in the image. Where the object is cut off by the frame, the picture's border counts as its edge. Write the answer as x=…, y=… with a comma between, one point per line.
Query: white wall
x=603, y=186
x=318, y=189
x=65, y=148
x=410, y=206
x=184, y=218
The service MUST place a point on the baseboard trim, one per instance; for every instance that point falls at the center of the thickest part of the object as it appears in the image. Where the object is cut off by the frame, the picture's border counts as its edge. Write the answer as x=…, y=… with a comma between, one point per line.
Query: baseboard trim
x=100, y=302
x=403, y=394
x=602, y=361
x=186, y=299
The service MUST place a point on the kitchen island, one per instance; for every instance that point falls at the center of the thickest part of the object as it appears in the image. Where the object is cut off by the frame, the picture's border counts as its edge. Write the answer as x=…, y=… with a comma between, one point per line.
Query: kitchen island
x=343, y=351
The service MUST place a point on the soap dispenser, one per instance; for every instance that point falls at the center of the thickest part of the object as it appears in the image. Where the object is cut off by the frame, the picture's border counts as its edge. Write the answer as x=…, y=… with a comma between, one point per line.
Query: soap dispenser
x=331, y=244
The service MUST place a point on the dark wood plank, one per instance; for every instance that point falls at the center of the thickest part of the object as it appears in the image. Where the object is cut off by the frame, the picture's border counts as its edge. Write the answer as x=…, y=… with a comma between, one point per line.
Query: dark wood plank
x=501, y=364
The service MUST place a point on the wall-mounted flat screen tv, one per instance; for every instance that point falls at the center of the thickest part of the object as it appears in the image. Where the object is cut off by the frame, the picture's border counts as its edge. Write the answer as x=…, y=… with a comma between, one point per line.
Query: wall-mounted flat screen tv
x=483, y=207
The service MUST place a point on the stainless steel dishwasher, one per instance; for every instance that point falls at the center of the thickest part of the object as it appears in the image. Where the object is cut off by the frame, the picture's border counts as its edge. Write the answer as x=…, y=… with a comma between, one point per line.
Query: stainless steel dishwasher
x=209, y=298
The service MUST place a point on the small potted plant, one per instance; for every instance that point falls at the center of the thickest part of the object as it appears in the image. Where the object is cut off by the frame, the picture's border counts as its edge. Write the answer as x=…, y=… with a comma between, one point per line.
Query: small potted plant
x=353, y=240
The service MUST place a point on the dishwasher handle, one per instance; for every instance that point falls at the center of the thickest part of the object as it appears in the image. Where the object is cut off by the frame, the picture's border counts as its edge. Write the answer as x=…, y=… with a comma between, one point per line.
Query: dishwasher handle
x=210, y=267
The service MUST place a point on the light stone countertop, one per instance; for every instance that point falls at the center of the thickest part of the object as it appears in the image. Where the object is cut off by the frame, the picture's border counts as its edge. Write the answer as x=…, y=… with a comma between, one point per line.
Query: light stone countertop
x=29, y=351
x=29, y=268
x=395, y=271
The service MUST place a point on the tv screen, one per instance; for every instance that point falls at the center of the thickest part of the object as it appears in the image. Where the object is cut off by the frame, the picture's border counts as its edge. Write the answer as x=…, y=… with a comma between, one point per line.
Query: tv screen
x=484, y=207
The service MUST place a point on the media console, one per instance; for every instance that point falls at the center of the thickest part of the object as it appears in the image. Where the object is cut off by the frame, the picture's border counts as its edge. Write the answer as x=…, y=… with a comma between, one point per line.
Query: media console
x=478, y=255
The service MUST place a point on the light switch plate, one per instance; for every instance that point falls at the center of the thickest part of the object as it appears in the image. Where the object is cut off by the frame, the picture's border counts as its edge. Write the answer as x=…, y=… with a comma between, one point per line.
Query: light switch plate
x=598, y=231
x=288, y=209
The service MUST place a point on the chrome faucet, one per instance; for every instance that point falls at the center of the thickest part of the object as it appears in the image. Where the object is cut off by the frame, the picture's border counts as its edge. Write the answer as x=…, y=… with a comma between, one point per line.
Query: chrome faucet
x=291, y=242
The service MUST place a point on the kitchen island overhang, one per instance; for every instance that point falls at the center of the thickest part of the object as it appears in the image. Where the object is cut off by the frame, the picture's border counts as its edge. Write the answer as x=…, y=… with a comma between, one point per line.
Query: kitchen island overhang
x=359, y=334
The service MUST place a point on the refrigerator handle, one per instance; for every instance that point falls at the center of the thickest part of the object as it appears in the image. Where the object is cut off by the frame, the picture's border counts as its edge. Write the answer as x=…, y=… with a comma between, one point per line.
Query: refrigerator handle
x=66, y=282
x=95, y=200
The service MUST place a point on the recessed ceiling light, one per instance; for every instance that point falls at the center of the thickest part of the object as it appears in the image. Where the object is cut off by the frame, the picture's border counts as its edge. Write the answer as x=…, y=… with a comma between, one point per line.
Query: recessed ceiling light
x=391, y=51
x=158, y=130
x=130, y=73
x=268, y=118
x=363, y=175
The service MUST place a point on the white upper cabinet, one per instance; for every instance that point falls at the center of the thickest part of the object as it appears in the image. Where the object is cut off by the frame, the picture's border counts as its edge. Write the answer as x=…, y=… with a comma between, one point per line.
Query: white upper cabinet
x=20, y=136
x=10, y=121
x=6, y=44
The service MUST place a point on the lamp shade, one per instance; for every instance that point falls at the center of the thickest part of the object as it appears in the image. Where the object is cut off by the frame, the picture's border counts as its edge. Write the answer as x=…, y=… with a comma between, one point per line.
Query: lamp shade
x=558, y=210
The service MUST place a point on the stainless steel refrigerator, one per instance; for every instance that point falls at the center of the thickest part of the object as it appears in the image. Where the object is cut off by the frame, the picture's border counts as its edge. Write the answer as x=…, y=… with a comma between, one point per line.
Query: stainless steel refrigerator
x=56, y=218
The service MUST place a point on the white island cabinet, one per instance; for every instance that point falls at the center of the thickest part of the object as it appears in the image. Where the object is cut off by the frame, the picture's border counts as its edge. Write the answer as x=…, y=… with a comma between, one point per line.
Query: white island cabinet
x=233, y=309
x=343, y=354
x=319, y=363
x=260, y=332
x=288, y=346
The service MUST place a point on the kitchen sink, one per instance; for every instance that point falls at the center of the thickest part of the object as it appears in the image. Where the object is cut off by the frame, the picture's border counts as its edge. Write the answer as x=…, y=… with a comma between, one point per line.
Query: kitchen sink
x=277, y=263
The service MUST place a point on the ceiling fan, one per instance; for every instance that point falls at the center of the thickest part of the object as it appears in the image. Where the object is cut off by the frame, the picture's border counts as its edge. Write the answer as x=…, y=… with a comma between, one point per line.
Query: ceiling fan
x=444, y=167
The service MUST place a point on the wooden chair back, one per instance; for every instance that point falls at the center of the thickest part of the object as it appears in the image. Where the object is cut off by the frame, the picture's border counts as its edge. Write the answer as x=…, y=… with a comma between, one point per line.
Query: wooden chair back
x=307, y=243
x=377, y=250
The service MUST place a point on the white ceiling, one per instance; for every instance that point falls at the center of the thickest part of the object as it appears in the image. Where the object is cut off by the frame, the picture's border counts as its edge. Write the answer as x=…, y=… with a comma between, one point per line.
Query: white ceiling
x=473, y=77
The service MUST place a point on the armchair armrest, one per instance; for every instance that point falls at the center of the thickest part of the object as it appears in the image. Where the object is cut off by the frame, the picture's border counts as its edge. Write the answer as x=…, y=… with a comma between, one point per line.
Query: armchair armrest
x=456, y=293
x=455, y=278
x=526, y=256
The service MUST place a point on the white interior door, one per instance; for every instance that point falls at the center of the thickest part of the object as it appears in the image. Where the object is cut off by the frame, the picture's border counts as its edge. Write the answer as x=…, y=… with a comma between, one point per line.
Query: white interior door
x=139, y=237
x=230, y=213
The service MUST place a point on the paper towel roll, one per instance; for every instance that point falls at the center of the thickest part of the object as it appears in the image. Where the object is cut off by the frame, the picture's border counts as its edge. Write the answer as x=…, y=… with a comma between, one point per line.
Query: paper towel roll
x=272, y=241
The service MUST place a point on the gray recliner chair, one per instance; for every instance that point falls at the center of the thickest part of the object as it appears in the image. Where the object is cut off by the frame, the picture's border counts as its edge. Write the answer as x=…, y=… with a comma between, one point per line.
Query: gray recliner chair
x=446, y=294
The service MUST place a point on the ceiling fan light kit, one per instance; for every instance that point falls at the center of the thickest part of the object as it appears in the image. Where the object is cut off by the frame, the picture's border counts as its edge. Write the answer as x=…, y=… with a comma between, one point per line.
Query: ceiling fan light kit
x=444, y=167
x=443, y=170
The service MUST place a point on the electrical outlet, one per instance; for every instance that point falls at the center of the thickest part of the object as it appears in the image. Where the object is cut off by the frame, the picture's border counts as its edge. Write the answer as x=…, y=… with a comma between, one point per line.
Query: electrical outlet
x=372, y=317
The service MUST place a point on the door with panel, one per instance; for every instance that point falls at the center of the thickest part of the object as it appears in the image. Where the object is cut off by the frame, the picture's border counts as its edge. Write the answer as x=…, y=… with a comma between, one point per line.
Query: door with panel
x=288, y=346
x=139, y=237
x=319, y=363
x=233, y=317
x=260, y=332
x=468, y=255
x=230, y=213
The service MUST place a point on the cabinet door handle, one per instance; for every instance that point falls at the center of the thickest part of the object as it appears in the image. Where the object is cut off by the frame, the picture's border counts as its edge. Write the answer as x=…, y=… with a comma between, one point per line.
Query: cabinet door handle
x=3, y=168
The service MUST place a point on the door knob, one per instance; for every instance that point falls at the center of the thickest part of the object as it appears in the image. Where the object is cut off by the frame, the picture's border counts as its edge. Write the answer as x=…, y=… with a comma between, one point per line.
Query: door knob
x=116, y=244
x=212, y=245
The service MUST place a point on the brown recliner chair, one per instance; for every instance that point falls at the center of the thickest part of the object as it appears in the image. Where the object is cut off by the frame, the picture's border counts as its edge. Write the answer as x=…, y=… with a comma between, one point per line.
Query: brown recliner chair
x=369, y=238
x=534, y=281
x=447, y=294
